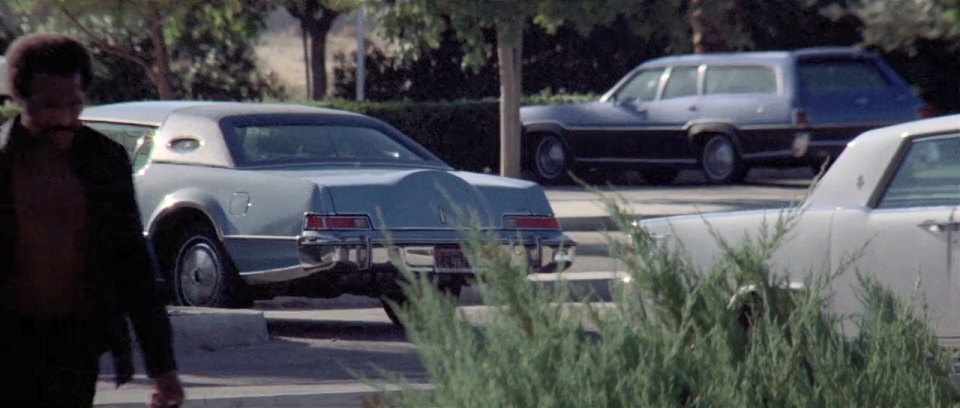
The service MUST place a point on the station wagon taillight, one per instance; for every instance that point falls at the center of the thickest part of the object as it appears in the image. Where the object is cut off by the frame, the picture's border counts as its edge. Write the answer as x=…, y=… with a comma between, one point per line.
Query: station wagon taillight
x=336, y=222
x=800, y=118
x=524, y=222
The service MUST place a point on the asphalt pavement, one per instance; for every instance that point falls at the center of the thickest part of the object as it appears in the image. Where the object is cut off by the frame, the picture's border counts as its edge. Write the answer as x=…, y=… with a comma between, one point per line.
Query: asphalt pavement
x=297, y=352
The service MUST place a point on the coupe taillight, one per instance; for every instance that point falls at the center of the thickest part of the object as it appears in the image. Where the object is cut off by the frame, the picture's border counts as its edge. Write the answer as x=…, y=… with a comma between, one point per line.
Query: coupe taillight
x=336, y=222
x=523, y=222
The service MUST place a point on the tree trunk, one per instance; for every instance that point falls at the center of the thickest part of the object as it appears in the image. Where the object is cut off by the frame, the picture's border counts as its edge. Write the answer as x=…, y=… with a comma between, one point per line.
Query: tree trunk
x=706, y=20
x=509, y=59
x=161, y=56
x=318, y=29
x=315, y=22
x=306, y=55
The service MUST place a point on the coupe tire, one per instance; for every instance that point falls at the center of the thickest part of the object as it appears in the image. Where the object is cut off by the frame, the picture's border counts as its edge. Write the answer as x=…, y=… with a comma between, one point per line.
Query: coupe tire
x=720, y=161
x=551, y=160
x=203, y=274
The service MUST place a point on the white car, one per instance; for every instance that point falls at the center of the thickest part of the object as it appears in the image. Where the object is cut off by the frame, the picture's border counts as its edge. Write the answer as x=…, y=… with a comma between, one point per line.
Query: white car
x=894, y=193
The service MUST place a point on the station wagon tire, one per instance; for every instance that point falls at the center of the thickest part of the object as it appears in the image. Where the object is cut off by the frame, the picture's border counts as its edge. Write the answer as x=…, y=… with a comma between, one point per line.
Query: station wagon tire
x=551, y=160
x=203, y=275
x=400, y=299
x=720, y=161
x=659, y=176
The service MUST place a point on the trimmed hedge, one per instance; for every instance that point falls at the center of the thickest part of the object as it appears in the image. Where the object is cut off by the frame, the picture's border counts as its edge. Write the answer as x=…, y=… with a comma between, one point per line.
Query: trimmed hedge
x=463, y=133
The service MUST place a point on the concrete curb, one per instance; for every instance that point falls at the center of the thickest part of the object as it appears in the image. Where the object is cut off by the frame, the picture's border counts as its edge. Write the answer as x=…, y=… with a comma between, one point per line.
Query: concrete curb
x=210, y=329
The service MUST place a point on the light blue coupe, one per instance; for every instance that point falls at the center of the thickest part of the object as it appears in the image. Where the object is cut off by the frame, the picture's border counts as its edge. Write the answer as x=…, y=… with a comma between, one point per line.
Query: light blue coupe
x=245, y=201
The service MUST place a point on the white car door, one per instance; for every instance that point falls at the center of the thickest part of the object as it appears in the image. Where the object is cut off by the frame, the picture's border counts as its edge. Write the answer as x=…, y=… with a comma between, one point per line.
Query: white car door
x=909, y=232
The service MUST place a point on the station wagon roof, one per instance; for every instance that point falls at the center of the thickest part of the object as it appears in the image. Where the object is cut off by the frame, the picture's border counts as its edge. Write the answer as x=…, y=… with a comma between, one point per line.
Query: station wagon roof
x=153, y=113
x=769, y=57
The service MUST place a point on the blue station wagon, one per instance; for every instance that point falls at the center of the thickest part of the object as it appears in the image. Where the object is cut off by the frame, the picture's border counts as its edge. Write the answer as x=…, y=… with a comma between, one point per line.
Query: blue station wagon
x=721, y=113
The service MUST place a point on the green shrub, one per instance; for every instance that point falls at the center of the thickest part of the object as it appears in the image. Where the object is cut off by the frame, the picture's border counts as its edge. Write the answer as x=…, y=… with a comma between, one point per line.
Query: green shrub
x=672, y=337
x=7, y=111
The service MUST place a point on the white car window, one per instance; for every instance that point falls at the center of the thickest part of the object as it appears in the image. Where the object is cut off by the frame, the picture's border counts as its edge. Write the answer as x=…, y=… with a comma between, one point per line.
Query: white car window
x=136, y=139
x=928, y=175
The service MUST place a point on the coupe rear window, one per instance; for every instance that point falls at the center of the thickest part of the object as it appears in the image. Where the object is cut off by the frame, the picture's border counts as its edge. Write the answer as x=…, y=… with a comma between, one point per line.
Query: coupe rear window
x=839, y=76
x=295, y=144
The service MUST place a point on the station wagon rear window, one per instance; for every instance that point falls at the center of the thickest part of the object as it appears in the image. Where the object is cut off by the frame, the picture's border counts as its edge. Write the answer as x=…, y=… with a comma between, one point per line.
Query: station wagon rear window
x=740, y=80
x=840, y=75
x=312, y=143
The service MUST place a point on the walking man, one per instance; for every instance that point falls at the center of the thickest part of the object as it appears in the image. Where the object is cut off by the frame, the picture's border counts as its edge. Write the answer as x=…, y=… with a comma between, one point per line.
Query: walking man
x=74, y=266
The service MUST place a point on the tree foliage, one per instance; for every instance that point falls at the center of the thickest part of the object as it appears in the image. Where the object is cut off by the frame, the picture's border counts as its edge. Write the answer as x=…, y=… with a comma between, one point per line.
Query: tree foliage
x=416, y=25
x=184, y=49
x=900, y=24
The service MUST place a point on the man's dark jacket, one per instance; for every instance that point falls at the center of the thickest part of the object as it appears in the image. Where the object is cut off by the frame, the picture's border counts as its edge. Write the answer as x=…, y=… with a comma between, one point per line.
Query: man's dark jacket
x=118, y=264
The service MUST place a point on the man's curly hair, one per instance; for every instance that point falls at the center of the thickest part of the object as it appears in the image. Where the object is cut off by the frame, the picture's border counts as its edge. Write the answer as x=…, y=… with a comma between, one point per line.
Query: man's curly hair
x=45, y=53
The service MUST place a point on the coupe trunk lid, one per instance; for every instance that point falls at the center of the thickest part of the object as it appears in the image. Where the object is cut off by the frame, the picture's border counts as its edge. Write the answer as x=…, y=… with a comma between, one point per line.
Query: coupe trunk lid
x=405, y=198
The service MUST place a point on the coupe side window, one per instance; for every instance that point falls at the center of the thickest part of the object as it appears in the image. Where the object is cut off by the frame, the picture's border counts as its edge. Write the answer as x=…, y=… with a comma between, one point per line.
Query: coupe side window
x=136, y=139
x=641, y=88
x=928, y=175
x=682, y=82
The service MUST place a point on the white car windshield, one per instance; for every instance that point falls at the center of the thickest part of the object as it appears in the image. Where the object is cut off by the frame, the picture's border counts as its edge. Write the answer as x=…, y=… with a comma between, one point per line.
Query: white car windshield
x=298, y=144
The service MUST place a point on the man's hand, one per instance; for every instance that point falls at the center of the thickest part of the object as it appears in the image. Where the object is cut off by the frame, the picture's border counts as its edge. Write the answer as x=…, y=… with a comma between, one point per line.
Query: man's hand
x=169, y=392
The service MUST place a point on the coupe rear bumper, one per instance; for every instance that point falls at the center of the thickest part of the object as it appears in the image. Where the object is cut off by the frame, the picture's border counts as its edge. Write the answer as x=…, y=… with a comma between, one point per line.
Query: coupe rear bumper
x=319, y=253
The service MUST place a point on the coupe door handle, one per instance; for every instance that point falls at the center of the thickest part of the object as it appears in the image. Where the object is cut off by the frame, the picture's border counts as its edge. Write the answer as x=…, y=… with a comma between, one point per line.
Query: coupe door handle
x=938, y=226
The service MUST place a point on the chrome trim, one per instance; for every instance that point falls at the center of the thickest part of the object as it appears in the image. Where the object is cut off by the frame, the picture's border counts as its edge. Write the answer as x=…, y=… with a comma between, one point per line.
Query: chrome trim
x=259, y=238
x=275, y=275
x=815, y=143
x=766, y=155
x=686, y=126
x=120, y=122
x=620, y=160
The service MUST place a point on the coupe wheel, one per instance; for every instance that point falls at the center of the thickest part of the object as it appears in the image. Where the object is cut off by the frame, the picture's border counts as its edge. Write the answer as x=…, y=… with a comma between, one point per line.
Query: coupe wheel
x=202, y=273
x=551, y=161
x=720, y=161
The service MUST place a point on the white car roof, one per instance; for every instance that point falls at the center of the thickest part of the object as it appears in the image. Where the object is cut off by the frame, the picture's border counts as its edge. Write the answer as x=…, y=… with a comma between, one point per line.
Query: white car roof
x=863, y=164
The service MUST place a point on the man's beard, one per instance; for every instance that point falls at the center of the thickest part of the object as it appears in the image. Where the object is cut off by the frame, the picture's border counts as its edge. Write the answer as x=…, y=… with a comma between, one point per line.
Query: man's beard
x=61, y=136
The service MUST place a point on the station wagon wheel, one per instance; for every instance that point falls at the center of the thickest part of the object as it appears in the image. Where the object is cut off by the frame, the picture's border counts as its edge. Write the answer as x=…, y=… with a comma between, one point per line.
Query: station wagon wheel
x=720, y=161
x=551, y=161
x=202, y=273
